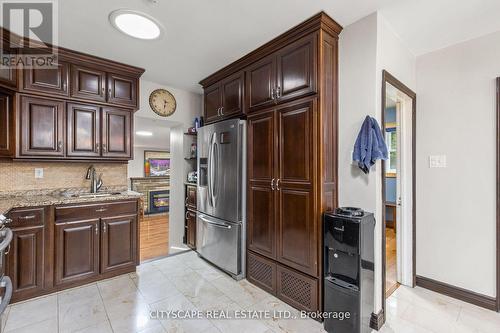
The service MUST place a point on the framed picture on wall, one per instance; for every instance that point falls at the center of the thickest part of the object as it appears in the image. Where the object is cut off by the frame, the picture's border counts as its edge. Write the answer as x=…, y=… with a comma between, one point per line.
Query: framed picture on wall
x=156, y=163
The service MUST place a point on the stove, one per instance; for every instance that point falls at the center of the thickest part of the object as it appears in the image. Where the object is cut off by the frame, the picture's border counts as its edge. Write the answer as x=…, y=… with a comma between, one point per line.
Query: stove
x=5, y=282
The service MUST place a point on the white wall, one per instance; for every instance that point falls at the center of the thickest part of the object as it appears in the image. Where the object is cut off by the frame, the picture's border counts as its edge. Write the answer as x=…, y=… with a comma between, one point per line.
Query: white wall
x=366, y=47
x=456, y=205
x=189, y=106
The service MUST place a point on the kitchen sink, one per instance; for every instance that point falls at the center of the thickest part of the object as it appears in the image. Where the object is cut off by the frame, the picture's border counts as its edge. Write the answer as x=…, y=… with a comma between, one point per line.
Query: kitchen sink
x=91, y=195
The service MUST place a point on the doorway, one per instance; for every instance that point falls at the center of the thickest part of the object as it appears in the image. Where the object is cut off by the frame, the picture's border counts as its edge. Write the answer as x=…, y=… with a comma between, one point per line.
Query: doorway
x=149, y=174
x=398, y=185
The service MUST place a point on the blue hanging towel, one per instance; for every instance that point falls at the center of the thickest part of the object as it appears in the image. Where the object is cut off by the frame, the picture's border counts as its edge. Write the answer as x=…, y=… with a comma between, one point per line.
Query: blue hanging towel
x=370, y=145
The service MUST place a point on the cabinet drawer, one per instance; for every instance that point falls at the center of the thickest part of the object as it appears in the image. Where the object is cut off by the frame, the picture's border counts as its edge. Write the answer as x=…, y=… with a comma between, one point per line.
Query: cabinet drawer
x=297, y=289
x=89, y=211
x=26, y=217
x=261, y=272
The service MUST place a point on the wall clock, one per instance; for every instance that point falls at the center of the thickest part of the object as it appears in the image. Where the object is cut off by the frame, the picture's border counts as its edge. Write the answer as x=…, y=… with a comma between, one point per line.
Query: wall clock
x=162, y=102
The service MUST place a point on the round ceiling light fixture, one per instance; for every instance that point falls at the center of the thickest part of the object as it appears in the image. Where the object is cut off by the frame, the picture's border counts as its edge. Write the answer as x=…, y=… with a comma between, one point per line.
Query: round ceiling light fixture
x=136, y=24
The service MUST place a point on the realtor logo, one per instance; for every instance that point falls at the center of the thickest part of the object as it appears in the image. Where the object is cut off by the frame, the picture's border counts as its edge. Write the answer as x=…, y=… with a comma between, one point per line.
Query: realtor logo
x=28, y=33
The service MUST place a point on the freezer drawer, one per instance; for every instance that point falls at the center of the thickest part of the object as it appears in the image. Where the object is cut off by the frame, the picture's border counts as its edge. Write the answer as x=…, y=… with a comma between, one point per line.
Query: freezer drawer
x=219, y=242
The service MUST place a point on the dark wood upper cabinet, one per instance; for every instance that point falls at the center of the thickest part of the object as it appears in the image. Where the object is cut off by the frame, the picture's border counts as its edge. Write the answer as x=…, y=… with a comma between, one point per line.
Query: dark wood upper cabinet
x=52, y=81
x=297, y=237
x=88, y=83
x=7, y=130
x=116, y=133
x=76, y=251
x=260, y=83
x=41, y=127
x=261, y=198
x=296, y=65
x=8, y=77
x=118, y=242
x=83, y=130
x=213, y=102
x=232, y=95
x=122, y=90
x=25, y=261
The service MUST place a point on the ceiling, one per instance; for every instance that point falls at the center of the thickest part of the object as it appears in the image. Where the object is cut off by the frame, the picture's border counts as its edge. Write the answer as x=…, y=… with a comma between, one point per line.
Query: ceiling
x=203, y=36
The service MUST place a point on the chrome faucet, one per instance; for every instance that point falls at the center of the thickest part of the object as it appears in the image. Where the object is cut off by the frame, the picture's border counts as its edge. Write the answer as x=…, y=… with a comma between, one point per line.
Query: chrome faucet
x=95, y=183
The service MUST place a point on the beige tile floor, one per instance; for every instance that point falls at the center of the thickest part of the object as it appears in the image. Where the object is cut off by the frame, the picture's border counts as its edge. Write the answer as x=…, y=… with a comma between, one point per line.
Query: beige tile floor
x=185, y=282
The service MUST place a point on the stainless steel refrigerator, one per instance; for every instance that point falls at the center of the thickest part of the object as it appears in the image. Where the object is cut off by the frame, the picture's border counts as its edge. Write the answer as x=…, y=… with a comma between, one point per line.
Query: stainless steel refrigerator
x=221, y=196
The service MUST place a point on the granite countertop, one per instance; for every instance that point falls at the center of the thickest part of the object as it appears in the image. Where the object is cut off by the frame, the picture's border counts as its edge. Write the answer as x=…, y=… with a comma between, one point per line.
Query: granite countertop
x=10, y=200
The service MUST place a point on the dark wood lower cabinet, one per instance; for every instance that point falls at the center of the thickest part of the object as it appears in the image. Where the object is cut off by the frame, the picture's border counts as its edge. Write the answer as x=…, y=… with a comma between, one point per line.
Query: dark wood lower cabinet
x=191, y=229
x=55, y=248
x=76, y=251
x=118, y=245
x=25, y=261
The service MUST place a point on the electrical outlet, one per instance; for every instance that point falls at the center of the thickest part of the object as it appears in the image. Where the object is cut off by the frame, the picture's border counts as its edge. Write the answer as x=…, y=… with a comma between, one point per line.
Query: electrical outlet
x=437, y=161
x=38, y=173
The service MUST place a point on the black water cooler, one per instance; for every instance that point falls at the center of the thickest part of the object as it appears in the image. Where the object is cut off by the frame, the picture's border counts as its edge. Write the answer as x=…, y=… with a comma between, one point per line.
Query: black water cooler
x=349, y=270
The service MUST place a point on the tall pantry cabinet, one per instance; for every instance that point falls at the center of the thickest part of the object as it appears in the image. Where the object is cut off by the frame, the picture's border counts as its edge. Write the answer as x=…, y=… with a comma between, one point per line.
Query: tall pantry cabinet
x=290, y=101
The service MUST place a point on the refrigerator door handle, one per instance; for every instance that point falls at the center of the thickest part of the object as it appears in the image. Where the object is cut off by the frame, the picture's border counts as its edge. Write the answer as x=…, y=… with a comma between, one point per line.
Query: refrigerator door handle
x=215, y=162
x=209, y=171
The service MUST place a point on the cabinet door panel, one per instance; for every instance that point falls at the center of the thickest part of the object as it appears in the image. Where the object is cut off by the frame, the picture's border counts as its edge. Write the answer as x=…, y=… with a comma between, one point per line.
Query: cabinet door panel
x=116, y=133
x=297, y=69
x=122, y=90
x=42, y=128
x=25, y=261
x=191, y=197
x=260, y=82
x=232, y=95
x=212, y=102
x=297, y=226
x=191, y=229
x=88, y=83
x=6, y=125
x=297, y=230
x=118, y=242
x=296, y=144
x=8, y=77
x=83, y=129
x=76, y=251
x=261, y=208
x=261, y=150
x=54, y=81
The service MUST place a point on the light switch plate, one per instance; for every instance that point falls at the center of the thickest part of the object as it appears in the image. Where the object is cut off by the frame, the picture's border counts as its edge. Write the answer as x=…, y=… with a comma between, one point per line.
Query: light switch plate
x=38, y=173
x=437, y=161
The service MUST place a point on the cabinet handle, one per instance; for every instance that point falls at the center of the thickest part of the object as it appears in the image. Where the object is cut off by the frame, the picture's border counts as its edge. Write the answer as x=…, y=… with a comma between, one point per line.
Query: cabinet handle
x=27, y=217
x=187, y=215
x=64, y=86
x=100, y=210
x=272, y=184
x=222, y=111
x=109, y=92
x=104, y=149
x=103, y=90
x=97, y=147
x=218, y=112
x=278, y=184
x=59, y=145
x=273, y=94
x=278, y=92
x=104, y=227
x=96, y=229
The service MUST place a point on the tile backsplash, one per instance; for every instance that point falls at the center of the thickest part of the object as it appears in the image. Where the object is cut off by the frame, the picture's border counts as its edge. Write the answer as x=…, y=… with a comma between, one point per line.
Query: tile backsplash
x=20, y=176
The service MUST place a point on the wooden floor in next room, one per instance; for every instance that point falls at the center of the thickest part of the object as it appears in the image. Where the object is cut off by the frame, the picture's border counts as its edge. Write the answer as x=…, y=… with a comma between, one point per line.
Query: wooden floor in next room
x=153, y=231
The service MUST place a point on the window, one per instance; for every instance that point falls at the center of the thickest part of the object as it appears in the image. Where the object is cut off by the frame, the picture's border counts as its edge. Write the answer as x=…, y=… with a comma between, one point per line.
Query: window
x=392, y=143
